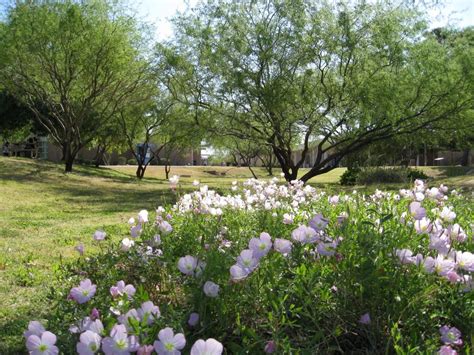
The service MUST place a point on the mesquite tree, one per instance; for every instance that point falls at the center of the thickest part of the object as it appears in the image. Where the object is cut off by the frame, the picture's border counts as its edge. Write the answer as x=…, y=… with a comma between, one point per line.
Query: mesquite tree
x=301, y=75
x=82, y=61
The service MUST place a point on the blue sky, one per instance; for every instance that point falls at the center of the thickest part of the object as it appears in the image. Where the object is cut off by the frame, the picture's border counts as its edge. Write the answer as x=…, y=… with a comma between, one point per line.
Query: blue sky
x=456, y=12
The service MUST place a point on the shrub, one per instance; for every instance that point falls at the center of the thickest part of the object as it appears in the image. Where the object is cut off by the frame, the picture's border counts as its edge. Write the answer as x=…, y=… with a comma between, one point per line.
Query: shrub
x=414, y=174
x=349, y=177
x=132, y=161
x=121, y=161
x=380, y=175
x=285, y=267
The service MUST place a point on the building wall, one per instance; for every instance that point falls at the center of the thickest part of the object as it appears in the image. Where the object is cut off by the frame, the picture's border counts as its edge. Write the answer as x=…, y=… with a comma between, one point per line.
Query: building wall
x=184, y=157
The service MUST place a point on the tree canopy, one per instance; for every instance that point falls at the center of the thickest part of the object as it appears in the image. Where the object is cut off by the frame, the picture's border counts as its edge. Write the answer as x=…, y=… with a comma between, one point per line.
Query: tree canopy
x=83, y=61
x=299, y=75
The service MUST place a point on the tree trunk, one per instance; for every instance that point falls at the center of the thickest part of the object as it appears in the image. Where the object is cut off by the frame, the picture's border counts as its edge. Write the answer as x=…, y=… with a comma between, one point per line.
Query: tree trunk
x=68, y=157
x=140, y=171
x=465, y=157
x=99, y=156
x=253, y=173
x=167, y=171
x=425, y=155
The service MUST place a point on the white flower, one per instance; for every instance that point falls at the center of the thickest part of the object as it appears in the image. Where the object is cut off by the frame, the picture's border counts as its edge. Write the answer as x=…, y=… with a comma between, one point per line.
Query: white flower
x=143, y=216
x=99, y=235
x=465, y=260
x=288, y=218
x=89, y=343
x=211, y=289
x=174, y=180
x=419, y=196
x=126, y=244
x=447, y=214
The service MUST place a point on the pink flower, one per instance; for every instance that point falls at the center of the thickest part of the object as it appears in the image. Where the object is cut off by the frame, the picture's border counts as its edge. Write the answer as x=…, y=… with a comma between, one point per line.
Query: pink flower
x=288, y=218
x=149, y=311
x=44, y=344
x=169, y=343
x=126, y=318
x=441, y=265
x=126, y=244
x=99, y=235
x=455, y=232
x=84, y=292
x=119, y=343
x=95, y=314
x=145, y=350
x=121, y=289
x=318, y=223
x=465, y=260
x=423, y=225
x=34, y=328
x=207, y=347
x=143, y=216
x=135, y=231
x=165, y=228
x=447, y=350
x=416, y=210
x=193, y=319
x=365, y=319
x=211, y=289
x=450, y=336
x=89, y=343
x=447, y=214
x=282, y=246
x=304, y=235
x=453, y=277
x=261, y=246
x=238, y=273
x=440, y=243
x=174, y=180
x=80, y=249
x=187, y=264
x=270, y=347
x=327, y=249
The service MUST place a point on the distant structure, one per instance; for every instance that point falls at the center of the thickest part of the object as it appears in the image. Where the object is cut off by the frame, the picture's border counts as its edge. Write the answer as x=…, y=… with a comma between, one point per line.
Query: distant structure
x=188, y=156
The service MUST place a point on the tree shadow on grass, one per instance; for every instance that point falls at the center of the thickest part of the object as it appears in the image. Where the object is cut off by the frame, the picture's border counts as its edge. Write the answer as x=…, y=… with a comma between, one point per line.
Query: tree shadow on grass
x=24, y=169
x=454, y=171
x=114, y=199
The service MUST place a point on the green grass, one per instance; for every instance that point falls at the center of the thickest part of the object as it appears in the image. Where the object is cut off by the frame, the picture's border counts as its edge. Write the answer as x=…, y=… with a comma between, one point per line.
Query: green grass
x=44, y=213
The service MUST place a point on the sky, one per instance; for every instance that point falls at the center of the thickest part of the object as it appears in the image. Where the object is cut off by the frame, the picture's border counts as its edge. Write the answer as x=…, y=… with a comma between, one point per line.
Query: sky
x=456, y=12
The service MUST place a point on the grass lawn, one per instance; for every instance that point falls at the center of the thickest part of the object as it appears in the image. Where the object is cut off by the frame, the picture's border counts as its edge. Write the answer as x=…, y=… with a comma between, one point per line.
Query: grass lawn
x=44, y=213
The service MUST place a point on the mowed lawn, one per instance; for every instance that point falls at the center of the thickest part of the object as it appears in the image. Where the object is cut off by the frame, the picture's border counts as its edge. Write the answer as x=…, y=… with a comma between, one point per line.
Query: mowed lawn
x=45, y=213
x=222, y=175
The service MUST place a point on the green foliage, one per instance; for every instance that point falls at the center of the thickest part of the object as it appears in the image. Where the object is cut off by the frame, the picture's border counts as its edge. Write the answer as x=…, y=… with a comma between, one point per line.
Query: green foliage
x=414, y=174
x=81, y=61
x=380, y=175
x=306, y=303
x=340, y=77
x=349, y=177
x=52, y=212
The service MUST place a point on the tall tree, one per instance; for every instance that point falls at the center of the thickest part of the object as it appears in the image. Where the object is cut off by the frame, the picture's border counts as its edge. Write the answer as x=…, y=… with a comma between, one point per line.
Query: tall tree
x=159, y=125
x=296, y=74
x=83, y=61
